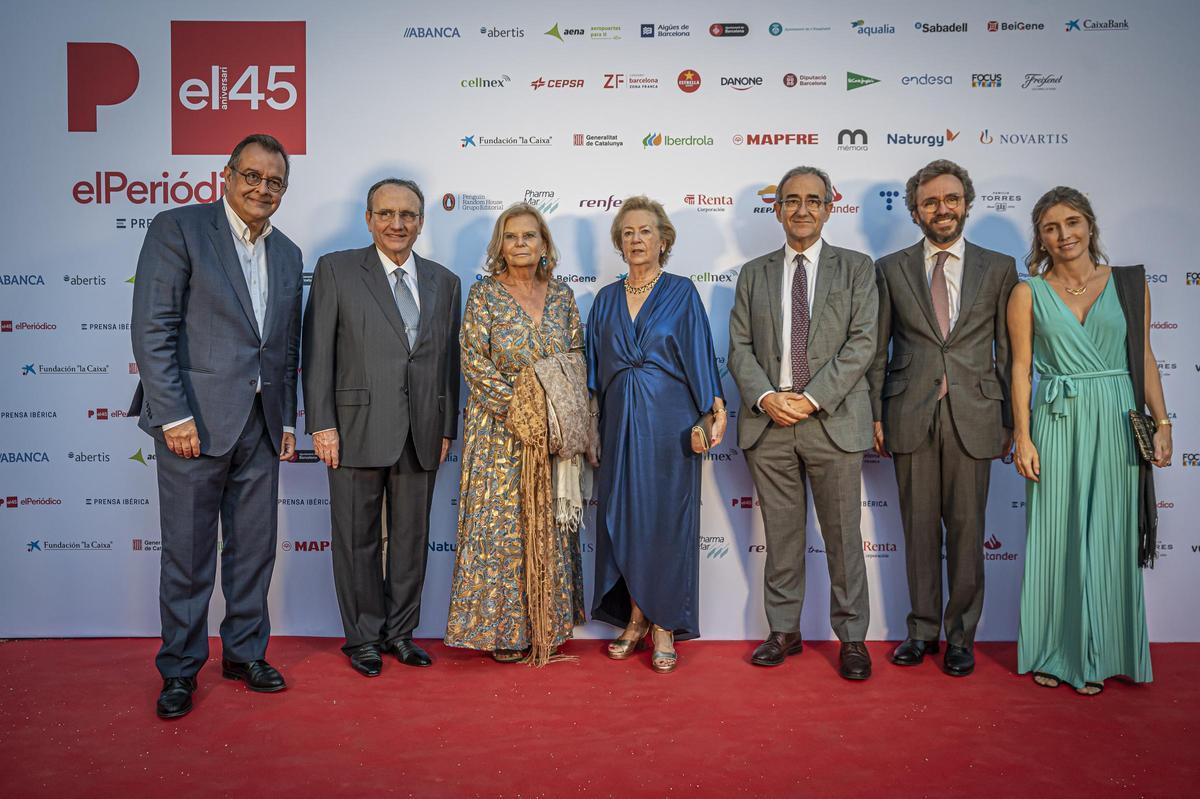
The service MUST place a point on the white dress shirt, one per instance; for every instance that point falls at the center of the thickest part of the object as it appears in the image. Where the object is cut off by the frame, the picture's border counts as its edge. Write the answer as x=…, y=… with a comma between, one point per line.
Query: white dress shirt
x=252, y=255
x=812, y=257
x=953, y=269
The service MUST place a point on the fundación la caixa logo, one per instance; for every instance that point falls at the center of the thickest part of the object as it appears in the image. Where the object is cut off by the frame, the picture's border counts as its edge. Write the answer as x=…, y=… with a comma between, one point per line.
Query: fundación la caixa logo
x=227, y=78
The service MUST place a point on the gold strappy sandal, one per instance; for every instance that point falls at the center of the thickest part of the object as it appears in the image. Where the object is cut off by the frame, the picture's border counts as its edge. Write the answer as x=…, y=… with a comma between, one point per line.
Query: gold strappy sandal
x=661, y=661
x=623, y=648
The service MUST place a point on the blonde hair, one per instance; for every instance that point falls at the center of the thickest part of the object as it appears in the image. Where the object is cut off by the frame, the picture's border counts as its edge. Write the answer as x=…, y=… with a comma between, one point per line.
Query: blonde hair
x=666, y=230
x=495, y=259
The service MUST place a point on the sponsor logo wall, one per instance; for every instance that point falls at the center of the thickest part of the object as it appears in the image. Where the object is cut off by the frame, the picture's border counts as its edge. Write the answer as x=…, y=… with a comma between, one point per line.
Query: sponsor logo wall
x=573, y=109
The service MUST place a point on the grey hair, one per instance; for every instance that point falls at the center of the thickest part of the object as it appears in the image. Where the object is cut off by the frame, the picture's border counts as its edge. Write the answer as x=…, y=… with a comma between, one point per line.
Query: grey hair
x=806, y=170
x=403, y=183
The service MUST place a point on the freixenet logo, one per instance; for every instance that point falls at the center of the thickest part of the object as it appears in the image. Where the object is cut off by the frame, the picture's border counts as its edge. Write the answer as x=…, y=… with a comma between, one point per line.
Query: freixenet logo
x=231, y=77
x=857, y=81
x=666, y=140
x=688, y=81
x=727, y=29
x=1041, y=82
x=861, y=27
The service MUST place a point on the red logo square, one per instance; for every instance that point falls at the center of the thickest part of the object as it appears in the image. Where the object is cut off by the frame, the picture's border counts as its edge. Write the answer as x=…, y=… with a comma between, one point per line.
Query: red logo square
x=102, y=413
x=6, y=326
x=230, y=79
x=11, y=502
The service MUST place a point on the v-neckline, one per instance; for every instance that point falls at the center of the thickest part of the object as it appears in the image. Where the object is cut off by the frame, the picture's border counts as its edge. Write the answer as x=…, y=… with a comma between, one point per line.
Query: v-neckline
x=642, y=310
x=1086, y=314
x=537, y=325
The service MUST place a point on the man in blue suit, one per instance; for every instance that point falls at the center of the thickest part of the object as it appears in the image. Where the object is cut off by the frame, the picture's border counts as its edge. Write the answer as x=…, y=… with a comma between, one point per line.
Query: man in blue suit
x=216, y=336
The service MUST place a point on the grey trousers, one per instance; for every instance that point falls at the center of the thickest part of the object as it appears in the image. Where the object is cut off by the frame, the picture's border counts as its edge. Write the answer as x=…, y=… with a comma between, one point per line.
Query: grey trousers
x=939, y=482
x=780, y=463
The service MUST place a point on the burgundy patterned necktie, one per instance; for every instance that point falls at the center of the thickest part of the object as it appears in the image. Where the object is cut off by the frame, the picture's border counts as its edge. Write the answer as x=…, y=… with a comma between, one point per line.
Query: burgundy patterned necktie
x=800, y=321
x=941, y=305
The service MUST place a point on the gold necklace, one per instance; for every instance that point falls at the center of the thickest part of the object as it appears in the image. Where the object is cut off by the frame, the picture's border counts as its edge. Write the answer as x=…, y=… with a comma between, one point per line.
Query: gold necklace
x=1082, y=289
x=645, y=288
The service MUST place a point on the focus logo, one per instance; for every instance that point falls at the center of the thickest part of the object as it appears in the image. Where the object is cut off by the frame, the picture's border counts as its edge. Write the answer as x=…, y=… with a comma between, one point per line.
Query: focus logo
x=1191, y=459
x=229, y=78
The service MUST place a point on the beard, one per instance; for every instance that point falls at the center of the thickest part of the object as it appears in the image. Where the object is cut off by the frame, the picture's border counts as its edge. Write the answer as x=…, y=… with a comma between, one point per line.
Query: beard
x=938, y=238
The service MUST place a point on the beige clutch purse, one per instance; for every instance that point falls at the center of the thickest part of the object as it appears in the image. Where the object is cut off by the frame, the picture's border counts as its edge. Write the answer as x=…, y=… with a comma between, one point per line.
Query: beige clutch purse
x=702, y=433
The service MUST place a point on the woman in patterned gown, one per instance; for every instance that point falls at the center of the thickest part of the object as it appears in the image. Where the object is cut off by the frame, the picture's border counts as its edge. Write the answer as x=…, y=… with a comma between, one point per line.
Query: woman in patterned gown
x=515, y=315
x=1085, y=327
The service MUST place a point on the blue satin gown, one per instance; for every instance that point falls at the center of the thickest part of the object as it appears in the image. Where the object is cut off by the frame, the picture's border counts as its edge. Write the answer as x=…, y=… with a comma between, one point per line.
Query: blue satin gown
x=653, y=378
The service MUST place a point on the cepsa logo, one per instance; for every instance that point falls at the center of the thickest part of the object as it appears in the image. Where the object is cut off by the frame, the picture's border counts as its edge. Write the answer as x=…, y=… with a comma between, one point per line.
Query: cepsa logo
x=227, y=78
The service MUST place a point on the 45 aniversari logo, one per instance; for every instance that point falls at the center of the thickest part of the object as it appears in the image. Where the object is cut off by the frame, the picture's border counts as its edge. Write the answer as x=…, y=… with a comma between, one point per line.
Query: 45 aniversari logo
x=233, y=78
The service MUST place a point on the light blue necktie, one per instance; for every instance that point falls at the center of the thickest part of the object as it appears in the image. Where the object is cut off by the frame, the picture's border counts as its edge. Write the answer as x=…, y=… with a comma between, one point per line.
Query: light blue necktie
x=406, y=305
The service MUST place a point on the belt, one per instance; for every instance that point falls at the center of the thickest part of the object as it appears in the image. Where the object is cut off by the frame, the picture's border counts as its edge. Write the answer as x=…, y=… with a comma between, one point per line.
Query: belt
x=1059, y=388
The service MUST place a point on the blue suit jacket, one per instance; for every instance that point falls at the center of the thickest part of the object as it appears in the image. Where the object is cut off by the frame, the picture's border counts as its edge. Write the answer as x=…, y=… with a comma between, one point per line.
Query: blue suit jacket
x=198, y=347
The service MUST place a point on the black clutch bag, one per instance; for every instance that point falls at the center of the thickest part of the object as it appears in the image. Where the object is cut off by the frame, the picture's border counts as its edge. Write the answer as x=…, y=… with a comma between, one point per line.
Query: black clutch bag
x=1144, y=429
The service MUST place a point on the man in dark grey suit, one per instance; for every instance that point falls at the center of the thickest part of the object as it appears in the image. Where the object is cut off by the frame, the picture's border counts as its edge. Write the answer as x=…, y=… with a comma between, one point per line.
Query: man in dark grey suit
x=801, y=336
x=941, y=406
x=381, y=376
x=216, y=336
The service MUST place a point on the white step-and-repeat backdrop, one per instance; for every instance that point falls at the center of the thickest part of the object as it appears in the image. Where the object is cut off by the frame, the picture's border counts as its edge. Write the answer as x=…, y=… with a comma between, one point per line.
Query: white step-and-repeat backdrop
x=116, y=111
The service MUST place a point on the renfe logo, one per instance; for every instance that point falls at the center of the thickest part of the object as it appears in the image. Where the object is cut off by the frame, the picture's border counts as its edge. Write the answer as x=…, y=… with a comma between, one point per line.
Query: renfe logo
x=233, y=78
x=98, y=73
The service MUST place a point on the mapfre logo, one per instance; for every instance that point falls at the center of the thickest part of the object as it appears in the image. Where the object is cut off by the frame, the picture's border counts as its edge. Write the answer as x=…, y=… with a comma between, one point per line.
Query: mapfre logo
x=232, y=78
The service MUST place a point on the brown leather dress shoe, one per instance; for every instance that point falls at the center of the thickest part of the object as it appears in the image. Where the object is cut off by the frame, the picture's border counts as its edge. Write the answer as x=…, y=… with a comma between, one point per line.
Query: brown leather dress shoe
x=774, y=650
x=854, y=662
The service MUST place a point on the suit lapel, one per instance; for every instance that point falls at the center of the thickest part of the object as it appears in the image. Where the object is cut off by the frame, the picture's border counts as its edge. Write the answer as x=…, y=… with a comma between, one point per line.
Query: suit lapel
x=379, y=288
x=427, y=292
x=972, y=278
x=275, y=277
x=774, y=272
x=827, y=274
x=222, y=239
x=913, y=267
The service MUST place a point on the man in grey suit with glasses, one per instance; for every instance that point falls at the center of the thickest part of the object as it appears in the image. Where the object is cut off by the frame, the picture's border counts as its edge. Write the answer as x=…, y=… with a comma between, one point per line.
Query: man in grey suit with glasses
x=801, y=336
x=381, y=377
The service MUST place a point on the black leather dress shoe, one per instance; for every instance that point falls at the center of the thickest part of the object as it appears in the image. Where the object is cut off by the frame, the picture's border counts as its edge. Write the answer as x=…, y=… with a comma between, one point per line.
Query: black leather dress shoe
x=176, y=697
x=367, y=660
x=854, y=661
x=959, y=662
x=259, y=675
x=409, y=653
x=913, y=651
x=774, y=650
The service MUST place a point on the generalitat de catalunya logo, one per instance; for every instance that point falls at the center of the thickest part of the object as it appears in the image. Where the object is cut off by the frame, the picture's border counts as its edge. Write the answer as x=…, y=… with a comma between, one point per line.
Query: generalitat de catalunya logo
x=227, y=78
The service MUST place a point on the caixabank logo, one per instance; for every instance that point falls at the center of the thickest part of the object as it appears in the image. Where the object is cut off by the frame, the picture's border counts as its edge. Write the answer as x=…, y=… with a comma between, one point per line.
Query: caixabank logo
x=227, y=79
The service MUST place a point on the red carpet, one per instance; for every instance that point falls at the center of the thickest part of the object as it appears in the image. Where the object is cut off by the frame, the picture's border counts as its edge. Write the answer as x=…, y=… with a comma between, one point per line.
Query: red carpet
x=77, y=719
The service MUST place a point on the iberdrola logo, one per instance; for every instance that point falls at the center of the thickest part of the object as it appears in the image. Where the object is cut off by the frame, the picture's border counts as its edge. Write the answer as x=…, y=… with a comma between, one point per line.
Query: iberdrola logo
x=652, y=140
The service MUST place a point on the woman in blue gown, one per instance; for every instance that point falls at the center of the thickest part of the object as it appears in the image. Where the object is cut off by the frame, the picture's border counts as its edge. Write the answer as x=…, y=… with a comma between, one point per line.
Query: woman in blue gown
x=652, y=368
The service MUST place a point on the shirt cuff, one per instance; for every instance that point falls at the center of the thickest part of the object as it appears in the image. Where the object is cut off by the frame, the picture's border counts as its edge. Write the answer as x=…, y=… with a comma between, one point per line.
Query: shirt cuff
x=169, y=425
x=758, y=403
x=288, y=429
x=808, y=397
x=326, y=430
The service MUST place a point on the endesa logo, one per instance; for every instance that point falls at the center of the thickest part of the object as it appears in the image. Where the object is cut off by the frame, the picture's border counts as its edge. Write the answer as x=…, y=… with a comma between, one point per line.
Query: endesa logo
x=228, y=78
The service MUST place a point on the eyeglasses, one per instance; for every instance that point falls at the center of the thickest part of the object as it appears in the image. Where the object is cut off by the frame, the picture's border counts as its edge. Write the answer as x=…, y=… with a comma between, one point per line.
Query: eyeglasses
x=951, y=201
x=792, y=204
x=274, y=185
x=386, y=216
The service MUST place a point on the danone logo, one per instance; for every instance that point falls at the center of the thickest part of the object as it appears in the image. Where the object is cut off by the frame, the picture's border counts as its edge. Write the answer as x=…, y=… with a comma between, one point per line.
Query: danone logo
x=856, y=81
x=228, y=78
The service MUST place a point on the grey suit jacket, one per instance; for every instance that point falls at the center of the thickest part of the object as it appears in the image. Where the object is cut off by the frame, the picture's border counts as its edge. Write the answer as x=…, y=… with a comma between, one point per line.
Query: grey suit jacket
x=841, y=343
x=360, y=375
x=975, y=357
x=195, y=339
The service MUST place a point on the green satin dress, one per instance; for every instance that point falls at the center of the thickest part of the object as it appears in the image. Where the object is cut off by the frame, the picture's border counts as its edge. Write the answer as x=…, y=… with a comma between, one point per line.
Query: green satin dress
x=1083, y=613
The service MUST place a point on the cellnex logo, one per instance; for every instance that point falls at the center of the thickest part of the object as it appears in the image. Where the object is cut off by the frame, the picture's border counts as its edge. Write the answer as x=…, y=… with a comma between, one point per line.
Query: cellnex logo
x=665, y=140
x=688, y=81
x=852, y=139
x=861, y=27
x=557, y=83
x=856, y=81
x=941, y=27
x=1095, y=25
x=986, y=80
x=485, y=83
x=447, y=32
x=724, y=29
x=231, y=77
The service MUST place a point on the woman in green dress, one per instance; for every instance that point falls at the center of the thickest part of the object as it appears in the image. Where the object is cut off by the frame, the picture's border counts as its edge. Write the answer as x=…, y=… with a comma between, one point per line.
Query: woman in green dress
x=1085, y=327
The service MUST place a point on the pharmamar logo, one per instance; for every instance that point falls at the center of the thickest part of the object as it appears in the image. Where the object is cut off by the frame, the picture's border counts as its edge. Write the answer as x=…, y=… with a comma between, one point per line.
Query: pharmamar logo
x=856, y=81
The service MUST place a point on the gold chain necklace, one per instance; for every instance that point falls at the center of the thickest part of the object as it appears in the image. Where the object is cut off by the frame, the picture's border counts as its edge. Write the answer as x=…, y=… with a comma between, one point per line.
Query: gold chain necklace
x=1082, y=289
x=645, y=288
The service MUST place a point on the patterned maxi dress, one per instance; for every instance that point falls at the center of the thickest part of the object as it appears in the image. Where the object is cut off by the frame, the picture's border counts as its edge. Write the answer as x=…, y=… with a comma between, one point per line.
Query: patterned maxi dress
x=1083, y=615
x=487, y=596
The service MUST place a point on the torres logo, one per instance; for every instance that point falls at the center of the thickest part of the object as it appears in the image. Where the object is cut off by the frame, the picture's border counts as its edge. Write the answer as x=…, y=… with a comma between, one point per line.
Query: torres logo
x=228, y=78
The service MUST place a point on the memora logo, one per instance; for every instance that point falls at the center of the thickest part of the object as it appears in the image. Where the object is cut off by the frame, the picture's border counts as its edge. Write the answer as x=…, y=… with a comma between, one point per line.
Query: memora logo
x=852, y=139
x=445, y=32
x=986, y=80
x=861, y=27
x=728, y=29
x=228, y=78
x=857, y=81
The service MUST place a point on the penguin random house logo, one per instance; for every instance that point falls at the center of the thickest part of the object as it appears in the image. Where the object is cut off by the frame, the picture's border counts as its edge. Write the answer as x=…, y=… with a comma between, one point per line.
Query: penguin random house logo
x=226, y=78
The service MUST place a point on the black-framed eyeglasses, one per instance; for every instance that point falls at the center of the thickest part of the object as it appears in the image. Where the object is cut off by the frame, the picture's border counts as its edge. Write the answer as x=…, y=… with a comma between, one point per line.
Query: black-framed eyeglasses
x=386, y=215
x=274, y=185
x=952, y=201
x=793, y=204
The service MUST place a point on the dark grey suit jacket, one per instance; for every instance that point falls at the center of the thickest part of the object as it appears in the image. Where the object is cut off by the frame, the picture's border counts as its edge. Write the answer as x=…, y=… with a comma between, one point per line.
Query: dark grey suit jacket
x=975, y=357
x=360, y=375
x=197, y=344
x=841, y=343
